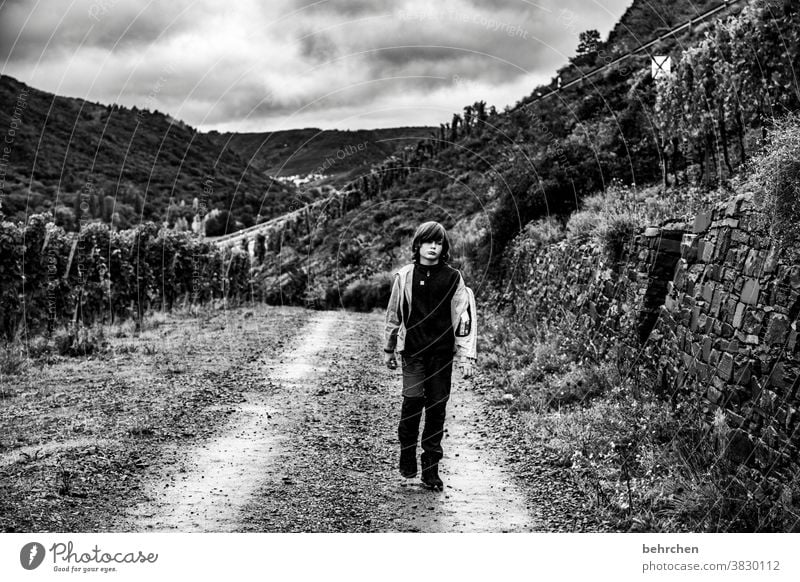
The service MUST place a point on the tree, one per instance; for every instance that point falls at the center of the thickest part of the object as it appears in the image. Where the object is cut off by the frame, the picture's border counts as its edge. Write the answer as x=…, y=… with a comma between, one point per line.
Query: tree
x=219, y=224
x=260, y=247
x=77, y=212
x=108, y=208
x=588, y=43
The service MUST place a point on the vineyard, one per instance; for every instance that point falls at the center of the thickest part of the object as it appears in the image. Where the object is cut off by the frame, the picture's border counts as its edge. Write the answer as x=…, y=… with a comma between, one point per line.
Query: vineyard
x=739, y=78
x=51, y=278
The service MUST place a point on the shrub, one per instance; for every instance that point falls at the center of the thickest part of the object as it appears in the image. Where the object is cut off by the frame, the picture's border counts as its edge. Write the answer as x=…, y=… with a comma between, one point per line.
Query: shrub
x=365, y=295
x=775, y=181
x=578, y=385
x=39, y=347
x=614, y=231
x=321, y=293
x=544, y=231
x=582, y=224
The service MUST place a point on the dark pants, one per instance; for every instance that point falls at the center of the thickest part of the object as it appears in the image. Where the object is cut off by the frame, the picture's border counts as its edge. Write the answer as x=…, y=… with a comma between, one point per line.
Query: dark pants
x=426, y=385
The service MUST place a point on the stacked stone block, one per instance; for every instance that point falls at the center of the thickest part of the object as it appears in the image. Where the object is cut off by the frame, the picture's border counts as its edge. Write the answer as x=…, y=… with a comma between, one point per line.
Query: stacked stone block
x=571, y=284
x=729, y=324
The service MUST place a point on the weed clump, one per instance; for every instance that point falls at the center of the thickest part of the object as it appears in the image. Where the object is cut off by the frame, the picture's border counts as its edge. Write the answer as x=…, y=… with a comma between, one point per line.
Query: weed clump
x=80, y=340
x=12, y=360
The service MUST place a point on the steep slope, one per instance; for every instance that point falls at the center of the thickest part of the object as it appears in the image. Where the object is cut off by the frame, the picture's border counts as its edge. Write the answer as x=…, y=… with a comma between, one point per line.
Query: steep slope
x=131, y=165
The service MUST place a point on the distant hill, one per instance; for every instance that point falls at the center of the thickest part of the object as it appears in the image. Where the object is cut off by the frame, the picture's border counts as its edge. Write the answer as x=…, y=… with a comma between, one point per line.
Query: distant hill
x=341, y=155
x=132, y=165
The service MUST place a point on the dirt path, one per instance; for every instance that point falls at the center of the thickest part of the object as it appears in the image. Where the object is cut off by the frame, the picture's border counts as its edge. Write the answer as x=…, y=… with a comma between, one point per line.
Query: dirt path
x=313, y=449
x=215, y=479
x=258, y=420
x=481, y=495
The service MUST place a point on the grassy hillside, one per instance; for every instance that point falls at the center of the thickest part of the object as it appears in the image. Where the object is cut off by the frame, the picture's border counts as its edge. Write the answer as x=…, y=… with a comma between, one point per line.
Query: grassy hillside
x=493, y=175
x=132, y=165
x=341, y=155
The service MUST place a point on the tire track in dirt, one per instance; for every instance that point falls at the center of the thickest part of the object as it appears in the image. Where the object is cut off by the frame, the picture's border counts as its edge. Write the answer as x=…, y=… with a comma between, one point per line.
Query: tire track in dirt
x=314, y=448
x=207, y=492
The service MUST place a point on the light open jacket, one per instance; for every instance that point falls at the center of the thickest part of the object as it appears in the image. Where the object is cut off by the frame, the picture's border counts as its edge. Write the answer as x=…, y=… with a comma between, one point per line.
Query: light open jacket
x=462, y=312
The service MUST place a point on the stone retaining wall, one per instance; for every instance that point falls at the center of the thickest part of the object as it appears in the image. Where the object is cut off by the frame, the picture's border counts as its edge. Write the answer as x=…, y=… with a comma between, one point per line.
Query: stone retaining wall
x=709, y=306
x=728, y=338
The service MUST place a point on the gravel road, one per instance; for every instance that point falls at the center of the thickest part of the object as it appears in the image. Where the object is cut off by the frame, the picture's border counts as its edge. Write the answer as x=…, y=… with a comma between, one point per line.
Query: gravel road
x=312, y=447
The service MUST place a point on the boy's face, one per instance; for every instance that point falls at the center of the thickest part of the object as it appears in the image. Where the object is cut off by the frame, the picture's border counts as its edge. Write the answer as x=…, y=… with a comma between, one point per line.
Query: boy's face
x=430, y=250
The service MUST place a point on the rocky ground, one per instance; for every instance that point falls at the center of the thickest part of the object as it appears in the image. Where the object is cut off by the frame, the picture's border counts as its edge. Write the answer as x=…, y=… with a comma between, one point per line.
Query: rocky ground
x=263, y=419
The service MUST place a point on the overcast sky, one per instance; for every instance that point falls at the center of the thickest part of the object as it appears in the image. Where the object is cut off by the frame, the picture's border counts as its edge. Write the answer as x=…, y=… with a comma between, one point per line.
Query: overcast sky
x=244, y=65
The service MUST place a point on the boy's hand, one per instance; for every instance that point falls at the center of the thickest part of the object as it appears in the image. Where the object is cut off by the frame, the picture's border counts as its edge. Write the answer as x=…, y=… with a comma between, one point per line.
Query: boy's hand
x=466, y=367
x=390, y=360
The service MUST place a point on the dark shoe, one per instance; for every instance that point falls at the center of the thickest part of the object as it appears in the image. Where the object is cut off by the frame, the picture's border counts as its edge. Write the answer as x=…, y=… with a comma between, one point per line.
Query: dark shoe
x=430, y=475
x=408, y=462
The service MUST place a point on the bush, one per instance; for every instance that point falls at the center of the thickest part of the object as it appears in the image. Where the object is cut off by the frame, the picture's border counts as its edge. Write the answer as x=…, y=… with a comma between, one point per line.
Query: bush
x=775, y=181
x=614, y=231
x=578, y=385
x=582, y=224
x=321, y=293
x=365, y=295
x=544, y=231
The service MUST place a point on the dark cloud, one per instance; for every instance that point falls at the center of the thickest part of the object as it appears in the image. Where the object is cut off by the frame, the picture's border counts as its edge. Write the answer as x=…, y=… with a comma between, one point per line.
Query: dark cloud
x=30, y=30
x=391, y=59
x=319, y=47
x=249, y=62
x=346, y=8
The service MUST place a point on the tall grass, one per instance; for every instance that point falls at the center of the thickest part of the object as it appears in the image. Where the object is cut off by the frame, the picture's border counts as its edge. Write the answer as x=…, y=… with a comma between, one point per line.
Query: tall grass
x=642, y=465
x=775, y=181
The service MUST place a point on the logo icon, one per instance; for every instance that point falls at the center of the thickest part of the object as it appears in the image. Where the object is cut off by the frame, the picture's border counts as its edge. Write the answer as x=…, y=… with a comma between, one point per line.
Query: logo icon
x=32, y=555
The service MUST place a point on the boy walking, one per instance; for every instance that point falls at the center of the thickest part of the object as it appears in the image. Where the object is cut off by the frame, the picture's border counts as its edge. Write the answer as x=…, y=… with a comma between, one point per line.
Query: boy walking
x=430, y=319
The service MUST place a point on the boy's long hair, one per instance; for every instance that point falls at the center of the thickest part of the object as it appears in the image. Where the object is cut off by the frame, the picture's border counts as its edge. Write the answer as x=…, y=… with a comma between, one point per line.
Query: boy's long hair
x=427, y=232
